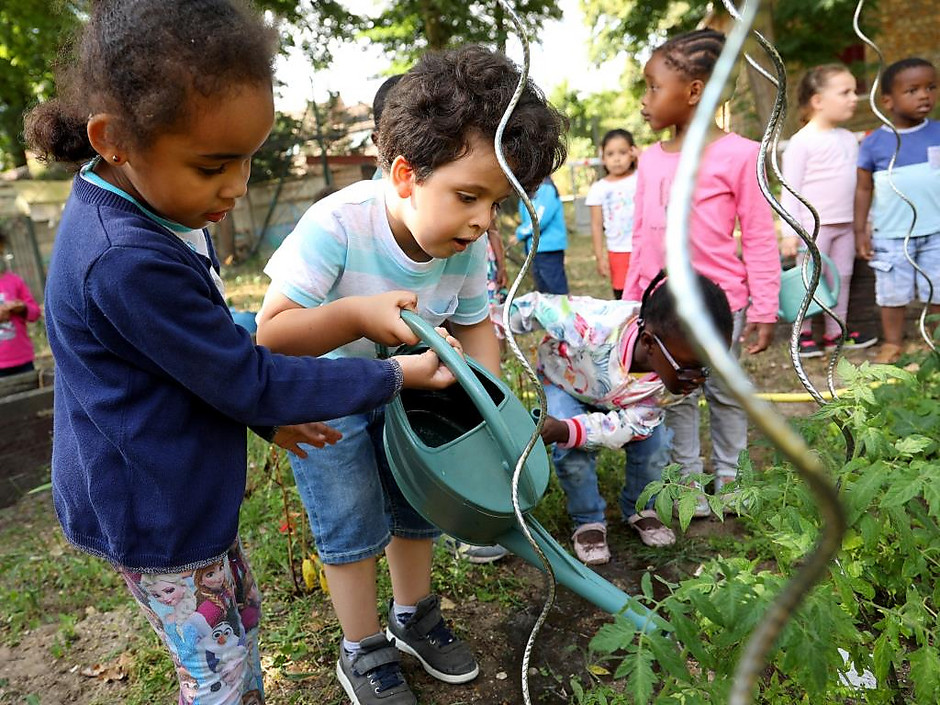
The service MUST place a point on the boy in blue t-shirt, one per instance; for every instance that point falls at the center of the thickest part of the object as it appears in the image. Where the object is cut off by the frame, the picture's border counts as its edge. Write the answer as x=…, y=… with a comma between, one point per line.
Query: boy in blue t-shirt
x=419, y=229
x=548, y=265
x=909, y=93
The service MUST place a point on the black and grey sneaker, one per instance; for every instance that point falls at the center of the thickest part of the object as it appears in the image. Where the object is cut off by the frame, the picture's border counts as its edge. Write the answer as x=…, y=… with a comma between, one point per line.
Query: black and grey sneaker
x=372, y=676
x=426, y=637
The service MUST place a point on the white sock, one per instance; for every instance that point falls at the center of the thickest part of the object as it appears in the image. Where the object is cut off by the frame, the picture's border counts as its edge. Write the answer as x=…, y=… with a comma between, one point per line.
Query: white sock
x=403, y=612
x=351, y=647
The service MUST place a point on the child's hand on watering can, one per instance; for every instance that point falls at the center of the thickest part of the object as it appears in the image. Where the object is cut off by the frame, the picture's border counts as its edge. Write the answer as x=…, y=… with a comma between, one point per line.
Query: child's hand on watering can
x=314, y=433
x=554, y=431
x=426, y=371
x=380, y=317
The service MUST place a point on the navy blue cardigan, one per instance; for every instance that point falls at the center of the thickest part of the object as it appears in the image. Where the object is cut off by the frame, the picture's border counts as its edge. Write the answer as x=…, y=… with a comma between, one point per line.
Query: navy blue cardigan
x=155, y=386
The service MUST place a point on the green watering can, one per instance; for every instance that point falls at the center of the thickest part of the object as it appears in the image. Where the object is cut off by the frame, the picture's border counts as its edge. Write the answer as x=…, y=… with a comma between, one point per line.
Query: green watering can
x=453, y=453
x=792, y=290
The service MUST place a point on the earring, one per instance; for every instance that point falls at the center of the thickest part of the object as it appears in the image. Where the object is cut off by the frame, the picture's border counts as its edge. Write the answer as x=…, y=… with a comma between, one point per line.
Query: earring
x=115, y=158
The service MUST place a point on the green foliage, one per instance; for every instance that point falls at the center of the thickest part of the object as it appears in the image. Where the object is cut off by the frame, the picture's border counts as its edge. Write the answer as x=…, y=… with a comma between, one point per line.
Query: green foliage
x=30, y=34
x=410, y=27
x=275, y=158
x=631, y=26
x=880, y=599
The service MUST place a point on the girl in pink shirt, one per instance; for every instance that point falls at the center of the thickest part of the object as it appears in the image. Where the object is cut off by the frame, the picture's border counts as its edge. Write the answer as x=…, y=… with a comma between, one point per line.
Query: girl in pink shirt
x=17, y=307
x=726, y=193
x=820, y=163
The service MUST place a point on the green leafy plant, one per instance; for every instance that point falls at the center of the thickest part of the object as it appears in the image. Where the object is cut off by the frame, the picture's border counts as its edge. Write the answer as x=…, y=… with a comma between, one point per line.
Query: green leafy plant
x=879, y=602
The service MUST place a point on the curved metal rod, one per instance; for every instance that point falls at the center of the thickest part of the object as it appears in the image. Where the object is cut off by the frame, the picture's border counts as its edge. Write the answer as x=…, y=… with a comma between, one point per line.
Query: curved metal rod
x=511, y=339
x=697, y=324
x=769, y=143
x=897, y=147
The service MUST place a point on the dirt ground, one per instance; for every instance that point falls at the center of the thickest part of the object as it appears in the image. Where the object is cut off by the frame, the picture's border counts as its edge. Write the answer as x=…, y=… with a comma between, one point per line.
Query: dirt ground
x=97, y=663
x=95, y=666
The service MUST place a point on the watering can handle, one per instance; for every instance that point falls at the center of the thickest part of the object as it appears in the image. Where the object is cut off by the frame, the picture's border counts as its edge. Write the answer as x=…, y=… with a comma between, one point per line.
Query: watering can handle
x=468, y=380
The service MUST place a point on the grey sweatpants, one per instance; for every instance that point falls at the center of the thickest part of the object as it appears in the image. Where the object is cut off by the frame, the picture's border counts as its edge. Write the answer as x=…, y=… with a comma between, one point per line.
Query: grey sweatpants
x=728, y=423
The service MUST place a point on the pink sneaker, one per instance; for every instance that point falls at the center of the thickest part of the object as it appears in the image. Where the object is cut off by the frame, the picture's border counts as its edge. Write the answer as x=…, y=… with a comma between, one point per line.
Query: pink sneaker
x=651, y=530
x=590, y=544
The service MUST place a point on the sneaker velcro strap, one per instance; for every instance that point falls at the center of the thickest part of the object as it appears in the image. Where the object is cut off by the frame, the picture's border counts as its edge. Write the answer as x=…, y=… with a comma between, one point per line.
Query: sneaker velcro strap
x=423, y=625
x=367, y=660
x=426, y=617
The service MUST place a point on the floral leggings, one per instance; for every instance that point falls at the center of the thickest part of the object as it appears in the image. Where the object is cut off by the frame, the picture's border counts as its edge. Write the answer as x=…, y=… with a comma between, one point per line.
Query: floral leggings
x=208, y=620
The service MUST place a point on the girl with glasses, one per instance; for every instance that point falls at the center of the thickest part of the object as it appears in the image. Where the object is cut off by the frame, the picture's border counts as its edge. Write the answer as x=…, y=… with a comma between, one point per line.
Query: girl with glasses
x=608, y=368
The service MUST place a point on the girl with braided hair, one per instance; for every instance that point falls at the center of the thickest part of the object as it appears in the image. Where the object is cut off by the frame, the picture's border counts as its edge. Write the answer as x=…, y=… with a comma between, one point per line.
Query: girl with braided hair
x=726, y=195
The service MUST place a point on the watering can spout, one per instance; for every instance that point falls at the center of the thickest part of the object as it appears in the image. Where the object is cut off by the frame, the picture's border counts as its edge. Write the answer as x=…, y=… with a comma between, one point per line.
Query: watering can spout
x=577, y=577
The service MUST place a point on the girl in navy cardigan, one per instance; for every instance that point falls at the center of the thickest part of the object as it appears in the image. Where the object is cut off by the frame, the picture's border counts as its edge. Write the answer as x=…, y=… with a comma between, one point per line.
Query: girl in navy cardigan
x=155, y=384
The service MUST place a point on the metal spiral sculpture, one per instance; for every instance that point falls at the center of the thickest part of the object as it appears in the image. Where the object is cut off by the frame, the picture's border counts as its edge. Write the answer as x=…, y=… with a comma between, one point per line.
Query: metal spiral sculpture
x=769, y=143
x=697, y=324
x=510, y=338
x=897, y=147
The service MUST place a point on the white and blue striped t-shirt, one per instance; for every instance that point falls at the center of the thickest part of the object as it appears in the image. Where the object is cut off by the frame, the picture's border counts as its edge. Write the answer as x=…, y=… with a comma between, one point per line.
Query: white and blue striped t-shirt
x=343, y=246
x=916, y=174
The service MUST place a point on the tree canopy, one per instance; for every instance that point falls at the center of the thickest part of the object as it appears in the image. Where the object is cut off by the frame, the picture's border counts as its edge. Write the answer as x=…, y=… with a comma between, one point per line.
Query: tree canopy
x=408, y=28
x=805, y=32
x=30, y=35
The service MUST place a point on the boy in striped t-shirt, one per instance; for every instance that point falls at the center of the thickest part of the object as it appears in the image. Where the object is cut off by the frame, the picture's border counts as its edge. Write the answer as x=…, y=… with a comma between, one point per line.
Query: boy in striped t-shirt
x=419, y=229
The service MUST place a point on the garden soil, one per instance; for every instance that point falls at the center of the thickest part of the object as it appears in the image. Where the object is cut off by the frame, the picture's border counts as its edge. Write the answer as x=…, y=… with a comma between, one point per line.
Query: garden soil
x=96, y=665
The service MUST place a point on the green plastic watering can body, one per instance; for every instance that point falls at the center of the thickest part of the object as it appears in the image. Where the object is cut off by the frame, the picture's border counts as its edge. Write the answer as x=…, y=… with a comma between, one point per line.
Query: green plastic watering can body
x=792, y=290
x=453, y=454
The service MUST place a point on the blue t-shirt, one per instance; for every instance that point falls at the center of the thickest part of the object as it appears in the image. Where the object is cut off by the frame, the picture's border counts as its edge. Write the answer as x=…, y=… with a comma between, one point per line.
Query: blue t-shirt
x=916, y=174
x=553, y=234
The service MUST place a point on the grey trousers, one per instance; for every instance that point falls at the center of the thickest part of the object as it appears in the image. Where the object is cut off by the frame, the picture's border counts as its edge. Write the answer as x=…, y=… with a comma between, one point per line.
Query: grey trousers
x=728, y=423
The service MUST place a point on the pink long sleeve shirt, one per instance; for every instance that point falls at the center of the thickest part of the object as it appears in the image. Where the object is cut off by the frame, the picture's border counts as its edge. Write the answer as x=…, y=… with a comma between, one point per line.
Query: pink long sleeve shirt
x=15, y=346
x=726, y=191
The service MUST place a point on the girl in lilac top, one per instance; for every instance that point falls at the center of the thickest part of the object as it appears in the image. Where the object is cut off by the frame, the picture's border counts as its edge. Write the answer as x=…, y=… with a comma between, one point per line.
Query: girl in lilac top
x=726, y=192
x=819, y=163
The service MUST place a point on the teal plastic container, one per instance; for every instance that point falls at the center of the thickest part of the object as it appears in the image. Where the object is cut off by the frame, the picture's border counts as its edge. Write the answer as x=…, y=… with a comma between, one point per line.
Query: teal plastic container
x=792, y=290
x=453, y=453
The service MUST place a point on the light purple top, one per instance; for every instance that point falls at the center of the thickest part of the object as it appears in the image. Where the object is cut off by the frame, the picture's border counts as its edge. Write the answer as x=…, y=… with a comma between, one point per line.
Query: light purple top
x=820, y=165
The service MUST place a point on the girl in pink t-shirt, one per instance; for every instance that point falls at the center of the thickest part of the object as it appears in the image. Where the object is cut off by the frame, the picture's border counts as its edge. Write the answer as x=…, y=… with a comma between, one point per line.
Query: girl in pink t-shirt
x=17, y=307
x=820, y=163
x=726, y=193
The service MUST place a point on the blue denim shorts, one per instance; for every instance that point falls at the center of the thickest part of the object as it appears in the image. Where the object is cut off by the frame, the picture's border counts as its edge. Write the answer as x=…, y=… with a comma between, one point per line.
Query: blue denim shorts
x=894, y=275
x=351, y=497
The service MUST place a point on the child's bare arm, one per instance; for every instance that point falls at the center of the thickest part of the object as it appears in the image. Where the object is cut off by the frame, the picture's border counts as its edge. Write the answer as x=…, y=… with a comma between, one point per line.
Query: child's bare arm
x=597, y=235
x=479, y=342
x=286, y=327
x=864, y=188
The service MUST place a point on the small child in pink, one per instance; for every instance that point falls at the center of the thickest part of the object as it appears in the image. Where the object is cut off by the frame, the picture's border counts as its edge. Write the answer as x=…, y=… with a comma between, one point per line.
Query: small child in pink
x=820, y=163
x=17, y=307
x=726, y=192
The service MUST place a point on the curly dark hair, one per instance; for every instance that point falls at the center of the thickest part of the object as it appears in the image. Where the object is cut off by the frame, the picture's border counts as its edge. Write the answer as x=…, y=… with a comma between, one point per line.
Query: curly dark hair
x=143, y=62
x=450, y=95
x=693, y=54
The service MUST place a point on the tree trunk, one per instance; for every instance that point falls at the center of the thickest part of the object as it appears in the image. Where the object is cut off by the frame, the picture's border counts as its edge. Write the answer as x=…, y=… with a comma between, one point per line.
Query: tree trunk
x=433, y=29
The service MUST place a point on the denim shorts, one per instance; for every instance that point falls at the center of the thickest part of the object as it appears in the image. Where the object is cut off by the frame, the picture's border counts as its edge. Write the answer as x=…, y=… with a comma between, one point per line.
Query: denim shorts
x=351, y=497
x=894, y=275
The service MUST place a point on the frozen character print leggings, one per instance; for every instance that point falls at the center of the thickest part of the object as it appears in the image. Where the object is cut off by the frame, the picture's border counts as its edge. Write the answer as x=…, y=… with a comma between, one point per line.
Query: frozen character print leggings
x=208, y=620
